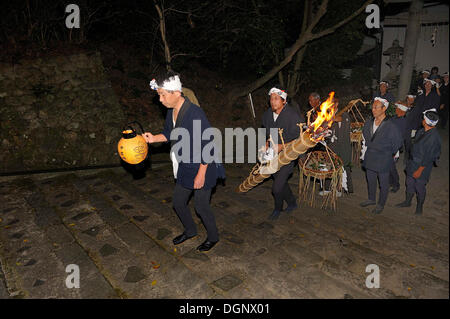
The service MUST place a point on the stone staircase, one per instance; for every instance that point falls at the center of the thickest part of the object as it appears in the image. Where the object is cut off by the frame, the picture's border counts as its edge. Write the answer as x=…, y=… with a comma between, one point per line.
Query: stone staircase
x=119, y=232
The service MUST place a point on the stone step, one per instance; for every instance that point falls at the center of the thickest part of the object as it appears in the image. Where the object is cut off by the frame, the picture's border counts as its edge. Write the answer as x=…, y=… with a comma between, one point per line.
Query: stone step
x=255, y=207
x=400, y=219
x=432, y=221
x=368, y=228
x=440, y=284
x=132, y=262
x=254, y=238
x=217, y=270
x=24, y=244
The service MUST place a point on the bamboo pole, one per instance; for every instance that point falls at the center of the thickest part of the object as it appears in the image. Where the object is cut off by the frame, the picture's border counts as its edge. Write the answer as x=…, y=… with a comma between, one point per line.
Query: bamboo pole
x=291, y=152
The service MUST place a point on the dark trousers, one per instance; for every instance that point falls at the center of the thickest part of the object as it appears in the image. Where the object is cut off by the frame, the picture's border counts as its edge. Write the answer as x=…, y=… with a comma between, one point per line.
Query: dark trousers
x=383, y=179
x=408, y=143
x=416, y=186
x=443, y=114
x=394, y=179
x=201, y=203
x=280, y=187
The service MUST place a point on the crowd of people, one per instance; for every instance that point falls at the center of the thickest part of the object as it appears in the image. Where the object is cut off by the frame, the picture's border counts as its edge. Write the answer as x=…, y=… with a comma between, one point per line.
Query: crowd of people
x=412, y=130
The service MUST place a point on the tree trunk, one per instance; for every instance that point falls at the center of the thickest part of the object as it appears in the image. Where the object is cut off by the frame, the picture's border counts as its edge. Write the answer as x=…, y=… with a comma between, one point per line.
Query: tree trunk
x=295, y=76
x=292, y=87
x=162, y=29
x=410, y=47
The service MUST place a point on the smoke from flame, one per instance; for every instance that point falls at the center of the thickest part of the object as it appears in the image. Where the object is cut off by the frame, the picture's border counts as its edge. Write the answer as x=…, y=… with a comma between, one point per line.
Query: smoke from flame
x=324, y=116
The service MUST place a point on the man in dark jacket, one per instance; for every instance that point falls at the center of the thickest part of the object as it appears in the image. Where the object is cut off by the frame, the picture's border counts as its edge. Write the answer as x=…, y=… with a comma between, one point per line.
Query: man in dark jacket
x=281, y=116
x=420, y=83
x=381, y=140
x=384, y=93
x=399, y=121
x=425, y=150
x=428, y=100
x=193, y=173
x=314, y=103
x=443, y=109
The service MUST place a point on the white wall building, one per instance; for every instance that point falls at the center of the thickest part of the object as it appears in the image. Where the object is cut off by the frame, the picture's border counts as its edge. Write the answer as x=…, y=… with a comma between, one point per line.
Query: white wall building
x=434, y=17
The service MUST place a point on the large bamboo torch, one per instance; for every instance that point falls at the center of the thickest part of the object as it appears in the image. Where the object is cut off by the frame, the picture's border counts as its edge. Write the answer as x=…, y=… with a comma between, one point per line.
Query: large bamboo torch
x=306, y=140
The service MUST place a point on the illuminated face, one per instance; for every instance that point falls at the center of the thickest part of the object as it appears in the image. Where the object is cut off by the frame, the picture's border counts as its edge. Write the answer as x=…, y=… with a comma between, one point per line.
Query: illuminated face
x=169, y=99
x=383, y=88
x=314, y=102
x=410, y=100
x=425, y=75
x=428, y=85
x=276, y=102
x=399, y=112
x=378, y=108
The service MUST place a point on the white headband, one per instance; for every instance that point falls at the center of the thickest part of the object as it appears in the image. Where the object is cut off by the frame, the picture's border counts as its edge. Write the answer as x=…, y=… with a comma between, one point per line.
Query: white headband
x=429, y=121
x=411, y=96
x=426, y=71
x=402, y=107
x=382, y=82
x=428, y=80
x=172, y=84
x=279, y=92
x=384, y=101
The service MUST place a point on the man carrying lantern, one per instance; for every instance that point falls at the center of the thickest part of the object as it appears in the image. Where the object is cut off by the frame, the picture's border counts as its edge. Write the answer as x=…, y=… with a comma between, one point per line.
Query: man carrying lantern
x=191, y=171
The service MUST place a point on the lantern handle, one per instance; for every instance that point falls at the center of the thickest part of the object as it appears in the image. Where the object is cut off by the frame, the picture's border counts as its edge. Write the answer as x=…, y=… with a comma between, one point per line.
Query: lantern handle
x=129, y=126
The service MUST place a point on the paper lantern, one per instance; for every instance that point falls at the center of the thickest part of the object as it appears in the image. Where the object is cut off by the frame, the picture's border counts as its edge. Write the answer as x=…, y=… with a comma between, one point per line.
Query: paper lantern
x=132, y=147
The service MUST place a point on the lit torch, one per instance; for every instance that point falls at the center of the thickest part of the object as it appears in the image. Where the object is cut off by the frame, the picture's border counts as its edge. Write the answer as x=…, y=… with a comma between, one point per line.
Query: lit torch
x=307, y=139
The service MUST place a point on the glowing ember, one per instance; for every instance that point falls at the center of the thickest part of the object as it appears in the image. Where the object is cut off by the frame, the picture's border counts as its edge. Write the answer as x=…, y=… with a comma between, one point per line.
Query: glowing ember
x=324, y=118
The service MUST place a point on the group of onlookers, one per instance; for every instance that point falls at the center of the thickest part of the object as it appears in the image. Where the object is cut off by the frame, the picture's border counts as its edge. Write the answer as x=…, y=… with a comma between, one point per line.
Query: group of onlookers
x=411, y=130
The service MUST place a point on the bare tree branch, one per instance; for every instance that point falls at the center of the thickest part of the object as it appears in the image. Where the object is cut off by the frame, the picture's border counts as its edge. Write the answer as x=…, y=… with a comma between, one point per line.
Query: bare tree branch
x=341, y=23
x=302, y=40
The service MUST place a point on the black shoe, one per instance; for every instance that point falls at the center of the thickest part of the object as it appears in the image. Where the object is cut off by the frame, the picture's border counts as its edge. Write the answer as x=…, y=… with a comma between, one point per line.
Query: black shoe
x=395, y=189
x=207, y=245
x=378, y=209
x=419, y=207
x=367, y=203
x=291, y=207
x=275, y=214
x=407, y=202
x=182, y=238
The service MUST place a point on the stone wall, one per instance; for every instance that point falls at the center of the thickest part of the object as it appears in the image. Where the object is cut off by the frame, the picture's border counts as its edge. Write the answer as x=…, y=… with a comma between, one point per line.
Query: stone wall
x=58, y=112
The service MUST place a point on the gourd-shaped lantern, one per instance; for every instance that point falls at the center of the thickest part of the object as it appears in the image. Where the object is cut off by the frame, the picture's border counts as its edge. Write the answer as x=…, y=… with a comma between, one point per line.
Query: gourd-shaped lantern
x=132, y=147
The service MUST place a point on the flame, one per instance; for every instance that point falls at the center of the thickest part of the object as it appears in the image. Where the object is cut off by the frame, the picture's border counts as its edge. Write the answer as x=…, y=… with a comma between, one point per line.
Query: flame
x=326, y=115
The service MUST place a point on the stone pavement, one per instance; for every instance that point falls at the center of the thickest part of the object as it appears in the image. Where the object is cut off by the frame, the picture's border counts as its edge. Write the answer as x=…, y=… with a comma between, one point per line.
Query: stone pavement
x=119, y=232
